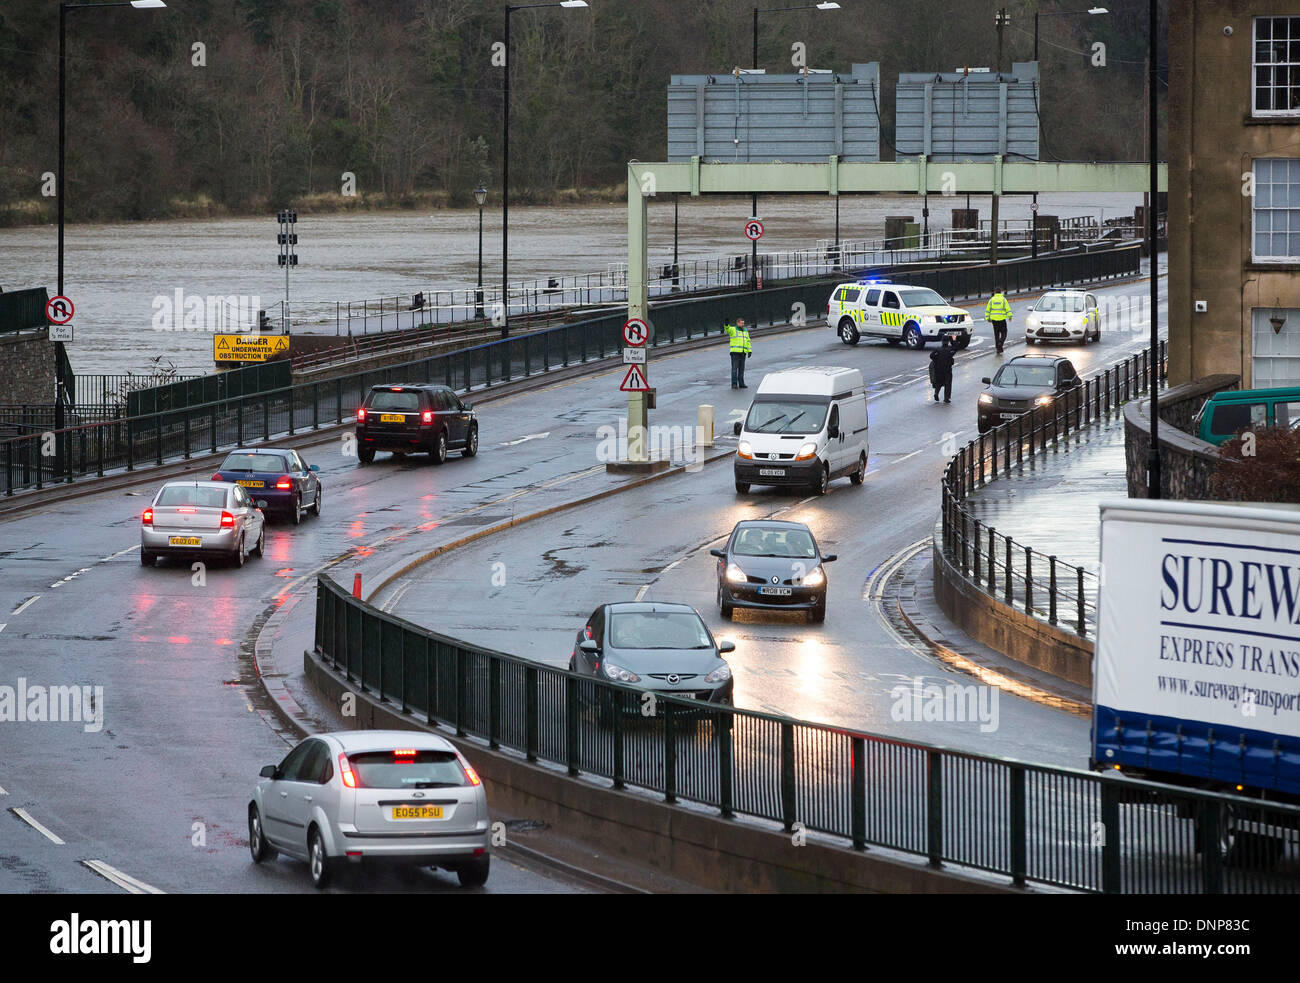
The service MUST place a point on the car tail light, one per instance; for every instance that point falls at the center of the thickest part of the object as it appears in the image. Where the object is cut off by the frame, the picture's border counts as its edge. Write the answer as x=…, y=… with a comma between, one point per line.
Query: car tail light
x=284, y=482
x=186, y=508
x=427, y=417
x=470, y=773
x=227, y=521
x=404, y=752
x=147, y=518
x=346, y=773
x=361, y=414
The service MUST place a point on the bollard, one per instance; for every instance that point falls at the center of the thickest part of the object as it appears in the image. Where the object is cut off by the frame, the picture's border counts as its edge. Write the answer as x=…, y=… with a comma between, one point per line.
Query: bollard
x=704, y=425
x=356, y=586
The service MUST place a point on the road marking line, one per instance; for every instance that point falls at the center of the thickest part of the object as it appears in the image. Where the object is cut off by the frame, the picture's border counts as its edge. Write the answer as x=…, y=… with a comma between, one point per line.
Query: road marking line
x=24, y=606
x=3, y=792
x=522, y=440
x=26, y=817
x=641, y=593
x=126, y=882
x=114, y=556
x=70, y=577
x=2, y=625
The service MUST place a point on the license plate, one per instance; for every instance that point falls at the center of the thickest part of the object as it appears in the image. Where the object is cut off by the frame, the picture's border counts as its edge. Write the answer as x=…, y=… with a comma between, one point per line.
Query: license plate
x=391, y=418
x=1009, y=416
x=776, y=591
x=252, y=484
x=688, y=695
x=417, y=812
x=185, y=541
x=771, y=472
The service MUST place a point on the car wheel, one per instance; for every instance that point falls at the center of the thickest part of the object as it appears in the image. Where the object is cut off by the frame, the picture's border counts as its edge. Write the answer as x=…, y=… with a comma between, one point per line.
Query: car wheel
x=742, y=487
x=824, y=482
x=439, y=453
x=727, y=610
x=471, y=443
x=849, y=332
x=912, y=336
x=474, y=874
x=257, y=845
x=296, y=515
x=147, y=558
x=239, y=553
x=322, y=867
x=860, y=475
x=365, y=455
x=817, y=613
x=259, y=550
x=315, y=506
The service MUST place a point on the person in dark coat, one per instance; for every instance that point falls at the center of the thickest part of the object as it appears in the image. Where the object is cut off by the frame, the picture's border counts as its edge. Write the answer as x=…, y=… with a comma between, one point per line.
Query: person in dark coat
x=941, y=370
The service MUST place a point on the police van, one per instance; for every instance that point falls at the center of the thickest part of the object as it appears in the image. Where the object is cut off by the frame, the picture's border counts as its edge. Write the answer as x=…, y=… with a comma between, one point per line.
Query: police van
x=899, y=313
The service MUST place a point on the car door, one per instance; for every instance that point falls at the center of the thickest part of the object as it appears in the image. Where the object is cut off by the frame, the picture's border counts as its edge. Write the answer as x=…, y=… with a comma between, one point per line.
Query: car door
x=891, y=313
x=277, y=813
x=835, y=445
x=462, y=417
x=455, y=417
x=304, y=478
x=869, y=322
x=247, y=515
x=303, y=788
x=1094, y=314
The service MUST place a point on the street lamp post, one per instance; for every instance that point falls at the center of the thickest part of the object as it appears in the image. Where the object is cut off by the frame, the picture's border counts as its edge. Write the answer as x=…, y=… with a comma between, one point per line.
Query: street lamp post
x=480, y=196
x=753, y=200
x=505, y=160
x=59, y=352
x=1153, y=454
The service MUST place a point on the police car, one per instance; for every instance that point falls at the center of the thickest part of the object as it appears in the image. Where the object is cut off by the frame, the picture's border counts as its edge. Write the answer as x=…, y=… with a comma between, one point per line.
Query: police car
x=896, y=312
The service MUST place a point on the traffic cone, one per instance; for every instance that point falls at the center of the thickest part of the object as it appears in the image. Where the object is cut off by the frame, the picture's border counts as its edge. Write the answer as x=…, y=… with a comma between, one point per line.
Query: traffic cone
x=356, y=585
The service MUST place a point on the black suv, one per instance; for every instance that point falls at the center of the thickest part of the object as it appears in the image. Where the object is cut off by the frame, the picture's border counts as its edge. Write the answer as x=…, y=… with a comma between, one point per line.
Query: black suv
x=1021, y=384
x=405, y=419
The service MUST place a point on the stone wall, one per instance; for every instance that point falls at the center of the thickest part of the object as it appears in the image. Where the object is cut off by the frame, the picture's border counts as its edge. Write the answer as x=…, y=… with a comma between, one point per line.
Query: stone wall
x=1186, y=462
x=27, y=368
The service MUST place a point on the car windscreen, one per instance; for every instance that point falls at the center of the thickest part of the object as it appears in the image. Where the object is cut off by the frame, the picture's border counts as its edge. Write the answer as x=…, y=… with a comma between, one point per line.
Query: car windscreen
x=774, y=542
x=1025, y=375
x=658, y=630
x=423, y=769
x=786, y=415
x=921, y=297
x=1060, y=303
x=254, y=462
x=406, y=401
x=205, y=497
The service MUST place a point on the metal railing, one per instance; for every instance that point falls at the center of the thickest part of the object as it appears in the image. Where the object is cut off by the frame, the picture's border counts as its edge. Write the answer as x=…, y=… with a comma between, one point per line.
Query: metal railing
x=1031, y=823
x=1016, y=574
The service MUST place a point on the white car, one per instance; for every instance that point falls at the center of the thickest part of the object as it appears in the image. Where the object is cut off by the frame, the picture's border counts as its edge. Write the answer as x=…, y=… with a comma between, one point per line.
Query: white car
x=368, y=797
x=899, y=313
x=1063, y=315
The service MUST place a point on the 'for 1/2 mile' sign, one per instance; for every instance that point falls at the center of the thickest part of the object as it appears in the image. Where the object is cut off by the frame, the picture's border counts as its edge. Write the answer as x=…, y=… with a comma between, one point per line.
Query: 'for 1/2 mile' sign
x=635, y=332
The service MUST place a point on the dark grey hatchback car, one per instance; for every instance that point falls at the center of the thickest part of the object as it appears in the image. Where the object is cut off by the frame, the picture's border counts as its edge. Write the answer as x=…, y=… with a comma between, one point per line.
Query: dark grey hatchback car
x=1023, y=383
x=772, y=564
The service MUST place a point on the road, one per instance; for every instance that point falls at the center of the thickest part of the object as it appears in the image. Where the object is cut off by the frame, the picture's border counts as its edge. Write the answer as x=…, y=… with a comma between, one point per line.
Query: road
x=159, y=791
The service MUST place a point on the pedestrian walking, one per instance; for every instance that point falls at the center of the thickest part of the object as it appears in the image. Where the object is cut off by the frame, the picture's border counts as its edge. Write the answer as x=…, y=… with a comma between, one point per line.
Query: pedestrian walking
x=741, y=351
x=941, y=370
x=998, y=314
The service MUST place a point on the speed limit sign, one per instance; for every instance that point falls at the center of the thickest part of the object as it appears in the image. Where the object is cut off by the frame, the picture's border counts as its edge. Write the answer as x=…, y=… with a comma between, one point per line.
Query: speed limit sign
x=754, y=230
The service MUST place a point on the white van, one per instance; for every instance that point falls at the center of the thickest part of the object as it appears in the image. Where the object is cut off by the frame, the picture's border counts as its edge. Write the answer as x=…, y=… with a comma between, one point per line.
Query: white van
x=805, y=427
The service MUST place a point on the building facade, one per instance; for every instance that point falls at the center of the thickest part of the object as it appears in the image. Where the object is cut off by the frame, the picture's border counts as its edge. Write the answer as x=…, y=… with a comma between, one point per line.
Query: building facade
x=1234, y=190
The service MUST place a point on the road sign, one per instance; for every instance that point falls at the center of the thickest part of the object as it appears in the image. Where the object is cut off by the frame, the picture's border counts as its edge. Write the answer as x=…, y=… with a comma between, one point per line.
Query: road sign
x=248, y=347
x=635, y=332
x=635, y=380
x=59, y=310
x=754, y=229
x=60, y=332
x=634, y=356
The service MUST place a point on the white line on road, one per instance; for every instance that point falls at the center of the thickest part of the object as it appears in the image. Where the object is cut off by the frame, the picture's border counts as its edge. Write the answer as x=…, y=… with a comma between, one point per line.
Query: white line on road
x=114, y=556
x=70, y=577
x=2, y=791
x=26, y=817
x=521, y=440
x=24, y=606
x=126, y=882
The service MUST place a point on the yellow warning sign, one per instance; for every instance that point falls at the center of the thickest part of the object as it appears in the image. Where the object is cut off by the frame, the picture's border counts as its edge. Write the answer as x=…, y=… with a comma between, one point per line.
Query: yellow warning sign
x=248, y=347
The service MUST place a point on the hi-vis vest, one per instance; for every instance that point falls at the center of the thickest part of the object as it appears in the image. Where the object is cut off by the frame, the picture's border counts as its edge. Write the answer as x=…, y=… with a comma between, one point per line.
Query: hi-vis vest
x=998, y=309
x=739, y=339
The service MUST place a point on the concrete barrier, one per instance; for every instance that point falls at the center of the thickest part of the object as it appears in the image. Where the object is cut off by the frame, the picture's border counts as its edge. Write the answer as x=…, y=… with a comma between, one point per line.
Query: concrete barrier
x=687, y=843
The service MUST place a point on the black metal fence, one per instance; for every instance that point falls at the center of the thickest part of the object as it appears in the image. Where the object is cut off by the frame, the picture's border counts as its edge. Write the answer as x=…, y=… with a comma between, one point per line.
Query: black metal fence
x=34, y=460
x=1030, y=823
x=1015, y=573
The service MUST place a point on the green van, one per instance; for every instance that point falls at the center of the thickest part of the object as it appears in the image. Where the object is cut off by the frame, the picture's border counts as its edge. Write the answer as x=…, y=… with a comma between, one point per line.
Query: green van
x=1226, y=413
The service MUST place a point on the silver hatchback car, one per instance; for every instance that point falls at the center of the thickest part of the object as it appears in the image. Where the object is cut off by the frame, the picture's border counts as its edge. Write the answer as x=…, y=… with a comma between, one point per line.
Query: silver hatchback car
x=207, y=518
x=373, y=797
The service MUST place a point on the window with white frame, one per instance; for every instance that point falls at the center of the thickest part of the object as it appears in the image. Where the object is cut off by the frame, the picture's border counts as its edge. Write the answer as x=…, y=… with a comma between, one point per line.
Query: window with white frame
x=1276, y=64
x=1275, y=210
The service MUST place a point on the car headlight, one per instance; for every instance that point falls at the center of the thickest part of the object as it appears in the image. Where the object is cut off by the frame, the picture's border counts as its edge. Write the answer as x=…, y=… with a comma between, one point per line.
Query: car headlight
x=807, y=452
x=735, y=575
x=619, y=674
x=745, y=449
x=719, y=675
x=815, y=578
x=1043, y=400
x=986, y=399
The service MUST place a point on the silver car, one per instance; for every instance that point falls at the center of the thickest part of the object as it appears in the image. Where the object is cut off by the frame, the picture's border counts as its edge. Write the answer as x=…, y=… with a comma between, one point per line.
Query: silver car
x=201, y=518
x=373, y=797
